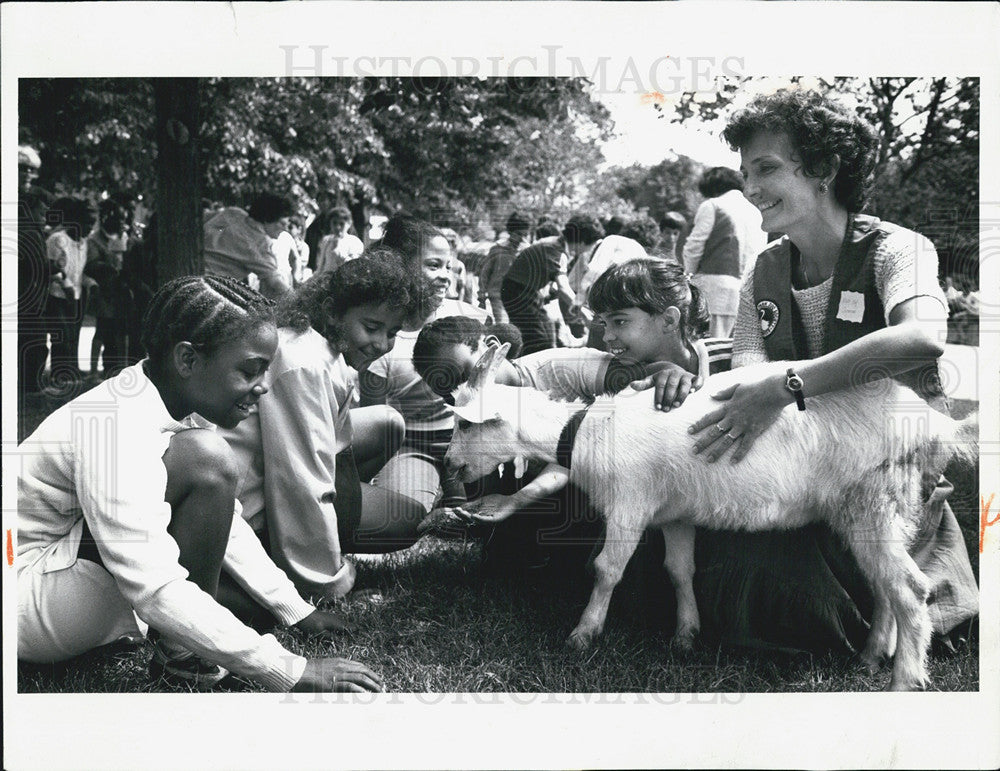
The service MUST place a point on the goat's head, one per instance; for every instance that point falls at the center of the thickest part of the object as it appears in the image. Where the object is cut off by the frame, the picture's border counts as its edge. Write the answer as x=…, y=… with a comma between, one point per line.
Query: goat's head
x=486, y=418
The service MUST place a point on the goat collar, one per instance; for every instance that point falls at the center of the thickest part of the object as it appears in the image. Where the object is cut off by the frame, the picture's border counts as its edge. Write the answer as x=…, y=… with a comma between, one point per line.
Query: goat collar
x=567, y=438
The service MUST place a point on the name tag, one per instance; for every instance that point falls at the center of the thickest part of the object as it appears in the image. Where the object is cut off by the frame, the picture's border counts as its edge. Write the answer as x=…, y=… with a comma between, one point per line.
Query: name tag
x=852, y=307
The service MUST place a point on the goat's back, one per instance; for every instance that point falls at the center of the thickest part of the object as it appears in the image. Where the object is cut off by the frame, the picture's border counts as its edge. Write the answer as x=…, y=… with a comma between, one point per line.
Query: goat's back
x=806, y=462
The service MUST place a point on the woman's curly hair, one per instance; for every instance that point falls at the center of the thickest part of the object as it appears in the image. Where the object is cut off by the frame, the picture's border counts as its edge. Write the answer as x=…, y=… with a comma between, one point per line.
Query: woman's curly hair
x=820, y=130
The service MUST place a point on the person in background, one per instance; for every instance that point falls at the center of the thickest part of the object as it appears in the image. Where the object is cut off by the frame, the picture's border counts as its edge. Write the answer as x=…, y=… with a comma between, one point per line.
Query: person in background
x=139, y=275
x=499, y=260
x=299, y=252
x=461, y=287
x=546, y=227
x=724, y=240
x=316, y=227
x=643, y=229
x=338, y=246
x=614, y=225
x=671, y=228
x=66, y=249
x=541, y=271
x=33, y=271
x=106, y=248
x=238, y=243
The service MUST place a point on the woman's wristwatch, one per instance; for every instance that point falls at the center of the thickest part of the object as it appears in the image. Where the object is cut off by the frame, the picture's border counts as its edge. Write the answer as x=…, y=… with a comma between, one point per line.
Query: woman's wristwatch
x=794, y=384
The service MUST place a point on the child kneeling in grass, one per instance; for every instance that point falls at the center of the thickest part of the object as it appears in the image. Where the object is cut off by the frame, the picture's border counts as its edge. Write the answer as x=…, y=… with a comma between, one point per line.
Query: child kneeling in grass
x=306, y=453
x=127, y=513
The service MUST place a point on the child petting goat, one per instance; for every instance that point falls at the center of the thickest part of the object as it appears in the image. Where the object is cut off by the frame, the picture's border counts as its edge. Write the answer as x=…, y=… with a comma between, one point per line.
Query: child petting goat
x=854, y=461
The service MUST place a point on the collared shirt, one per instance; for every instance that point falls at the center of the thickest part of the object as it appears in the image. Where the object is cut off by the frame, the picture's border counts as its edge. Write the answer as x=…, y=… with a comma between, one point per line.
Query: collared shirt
x=99, y=459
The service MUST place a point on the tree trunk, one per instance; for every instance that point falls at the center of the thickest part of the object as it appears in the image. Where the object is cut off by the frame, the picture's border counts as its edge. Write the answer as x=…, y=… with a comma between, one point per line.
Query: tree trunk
x=178, y=188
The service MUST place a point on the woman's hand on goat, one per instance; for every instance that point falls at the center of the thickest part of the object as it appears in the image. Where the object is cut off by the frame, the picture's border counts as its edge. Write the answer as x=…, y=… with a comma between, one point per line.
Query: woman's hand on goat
x=749, y=410
x=321, y=622
x=489, y=508
x=673, y=384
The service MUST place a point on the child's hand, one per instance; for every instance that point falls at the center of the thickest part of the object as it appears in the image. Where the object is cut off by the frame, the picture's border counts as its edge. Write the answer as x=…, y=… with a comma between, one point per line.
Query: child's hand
x=321, y=622
x=489, y=508
x=341, y=675
x=673, y=384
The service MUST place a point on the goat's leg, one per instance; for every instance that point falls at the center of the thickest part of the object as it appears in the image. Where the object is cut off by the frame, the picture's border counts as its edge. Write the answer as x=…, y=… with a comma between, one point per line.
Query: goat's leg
x=678, y=560
x=881, y=642
x=619, y=545
x=913, y=622
x=883, y=558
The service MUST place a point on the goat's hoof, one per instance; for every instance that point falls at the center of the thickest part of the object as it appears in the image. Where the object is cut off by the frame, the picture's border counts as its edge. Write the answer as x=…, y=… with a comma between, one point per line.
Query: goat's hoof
x=580, y=640
x=921, y=683
x=684, y=642
x=873, y=662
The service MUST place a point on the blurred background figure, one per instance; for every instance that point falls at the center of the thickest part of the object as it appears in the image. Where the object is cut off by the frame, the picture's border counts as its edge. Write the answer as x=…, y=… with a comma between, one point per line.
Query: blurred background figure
x=463, y=285
x=725, y=238
x=671, y=228
x=238, y=243
x=33, y=273
x=338, y=245
x=140, y=277
x=499, y=260
x=109, y=300
x=66, y=249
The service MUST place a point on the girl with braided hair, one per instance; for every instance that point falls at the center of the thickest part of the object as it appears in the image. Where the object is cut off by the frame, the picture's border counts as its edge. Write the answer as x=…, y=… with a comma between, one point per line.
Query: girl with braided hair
x=127, y=513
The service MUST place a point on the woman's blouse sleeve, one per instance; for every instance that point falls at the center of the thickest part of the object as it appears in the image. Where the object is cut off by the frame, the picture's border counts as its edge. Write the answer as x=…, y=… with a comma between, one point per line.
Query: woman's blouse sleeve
x=906, y=266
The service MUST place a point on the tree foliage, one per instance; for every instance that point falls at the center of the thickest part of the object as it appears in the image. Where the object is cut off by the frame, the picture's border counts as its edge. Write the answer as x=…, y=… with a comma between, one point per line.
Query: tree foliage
x=452, y=149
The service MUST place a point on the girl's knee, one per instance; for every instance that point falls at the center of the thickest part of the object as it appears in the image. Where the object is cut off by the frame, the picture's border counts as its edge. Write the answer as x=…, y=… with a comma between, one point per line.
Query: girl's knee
x=395, y=427
x=199, y=459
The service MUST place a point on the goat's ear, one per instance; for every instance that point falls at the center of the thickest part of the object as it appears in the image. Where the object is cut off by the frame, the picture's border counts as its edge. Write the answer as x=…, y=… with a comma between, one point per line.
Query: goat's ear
x=499, y=354
x=479, y=370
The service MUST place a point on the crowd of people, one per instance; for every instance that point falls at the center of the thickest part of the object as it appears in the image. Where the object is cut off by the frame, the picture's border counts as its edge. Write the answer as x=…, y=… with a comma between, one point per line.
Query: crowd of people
x=328, y=366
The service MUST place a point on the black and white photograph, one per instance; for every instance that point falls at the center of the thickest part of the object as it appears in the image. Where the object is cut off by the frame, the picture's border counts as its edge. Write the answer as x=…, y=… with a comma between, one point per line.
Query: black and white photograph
x=399, y=376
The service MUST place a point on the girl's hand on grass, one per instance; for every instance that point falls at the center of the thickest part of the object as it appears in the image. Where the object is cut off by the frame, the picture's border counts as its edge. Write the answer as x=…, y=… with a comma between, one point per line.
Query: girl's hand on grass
x=321, y=622
x=341, y=675
x=749, y=410
x=489, y=508
x=673, y=384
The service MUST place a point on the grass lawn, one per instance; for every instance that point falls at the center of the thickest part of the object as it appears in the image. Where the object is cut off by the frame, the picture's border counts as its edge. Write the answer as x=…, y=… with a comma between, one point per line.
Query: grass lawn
x=430, y=620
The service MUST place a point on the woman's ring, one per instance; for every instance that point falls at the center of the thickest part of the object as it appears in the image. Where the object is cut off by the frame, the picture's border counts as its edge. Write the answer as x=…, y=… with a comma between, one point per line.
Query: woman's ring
x=720, y=429
x=734, y=438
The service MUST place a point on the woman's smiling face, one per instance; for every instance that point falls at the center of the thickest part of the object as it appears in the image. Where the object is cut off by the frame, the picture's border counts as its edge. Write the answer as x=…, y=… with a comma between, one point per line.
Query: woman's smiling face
x=775, y=182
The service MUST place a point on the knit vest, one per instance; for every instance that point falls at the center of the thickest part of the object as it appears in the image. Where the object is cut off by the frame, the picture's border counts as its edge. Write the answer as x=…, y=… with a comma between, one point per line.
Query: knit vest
x=784, y=335
x=721, y=255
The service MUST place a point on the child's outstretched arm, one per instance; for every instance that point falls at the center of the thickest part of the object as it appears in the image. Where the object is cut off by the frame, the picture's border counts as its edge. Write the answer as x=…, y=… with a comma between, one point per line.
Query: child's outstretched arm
x=496, y=508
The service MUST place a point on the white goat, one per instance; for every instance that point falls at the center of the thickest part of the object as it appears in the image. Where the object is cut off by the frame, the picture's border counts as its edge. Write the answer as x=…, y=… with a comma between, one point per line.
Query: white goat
x=854, y=460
